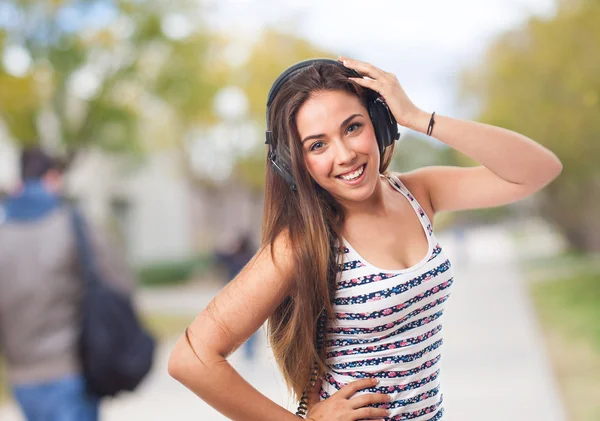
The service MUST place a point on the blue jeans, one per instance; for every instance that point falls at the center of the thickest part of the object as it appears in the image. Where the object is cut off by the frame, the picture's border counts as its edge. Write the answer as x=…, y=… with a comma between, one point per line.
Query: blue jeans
x=64, y=399
x=250, y=346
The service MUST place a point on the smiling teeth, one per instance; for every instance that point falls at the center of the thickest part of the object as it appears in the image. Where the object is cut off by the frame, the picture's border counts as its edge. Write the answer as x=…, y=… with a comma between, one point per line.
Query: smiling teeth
x=355, y=174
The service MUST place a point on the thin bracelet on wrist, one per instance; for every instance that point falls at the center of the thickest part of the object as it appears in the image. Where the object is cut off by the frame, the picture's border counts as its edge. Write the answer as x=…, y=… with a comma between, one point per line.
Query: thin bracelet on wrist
x=431, y=124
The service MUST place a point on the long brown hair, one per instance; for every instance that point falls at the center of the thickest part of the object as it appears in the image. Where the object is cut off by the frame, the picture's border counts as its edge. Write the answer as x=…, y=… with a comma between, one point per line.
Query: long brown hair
x=312, y=219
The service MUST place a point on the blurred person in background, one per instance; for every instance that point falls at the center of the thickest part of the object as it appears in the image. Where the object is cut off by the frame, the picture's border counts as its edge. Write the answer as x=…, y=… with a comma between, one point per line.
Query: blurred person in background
x=41, y=287
x=352, y=340
x=234, y=253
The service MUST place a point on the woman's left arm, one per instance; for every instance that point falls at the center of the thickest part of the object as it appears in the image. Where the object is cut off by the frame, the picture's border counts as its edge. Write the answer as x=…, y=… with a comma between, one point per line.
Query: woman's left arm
x=512, y=165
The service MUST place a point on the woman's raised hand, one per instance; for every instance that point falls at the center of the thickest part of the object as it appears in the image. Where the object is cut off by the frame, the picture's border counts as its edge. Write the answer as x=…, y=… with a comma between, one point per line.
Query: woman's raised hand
x=388, y=86
x=341, y=406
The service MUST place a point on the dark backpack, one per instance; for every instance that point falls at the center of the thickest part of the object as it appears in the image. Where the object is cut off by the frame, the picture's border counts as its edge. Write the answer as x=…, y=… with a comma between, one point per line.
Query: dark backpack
x=115, y=351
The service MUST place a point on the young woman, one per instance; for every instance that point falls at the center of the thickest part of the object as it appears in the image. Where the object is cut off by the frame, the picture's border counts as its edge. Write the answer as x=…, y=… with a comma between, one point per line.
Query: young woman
x=350, y=275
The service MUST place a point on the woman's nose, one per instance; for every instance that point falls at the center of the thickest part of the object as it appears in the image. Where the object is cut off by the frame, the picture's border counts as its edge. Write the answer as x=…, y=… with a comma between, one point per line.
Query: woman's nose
x=343, y=153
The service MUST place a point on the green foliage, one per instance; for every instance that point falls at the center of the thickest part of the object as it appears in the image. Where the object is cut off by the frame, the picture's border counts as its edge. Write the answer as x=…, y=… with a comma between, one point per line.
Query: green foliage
x=271, y=55
x=567, y=304
x=18, y=103
x=173, y=272
x=155, y=90
x=543, y=80
x=571, y=305
x=137, y=67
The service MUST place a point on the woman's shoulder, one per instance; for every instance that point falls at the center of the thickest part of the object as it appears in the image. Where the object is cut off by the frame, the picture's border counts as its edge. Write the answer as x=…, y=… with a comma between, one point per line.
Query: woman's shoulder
x=414, y=183
x=278, y=255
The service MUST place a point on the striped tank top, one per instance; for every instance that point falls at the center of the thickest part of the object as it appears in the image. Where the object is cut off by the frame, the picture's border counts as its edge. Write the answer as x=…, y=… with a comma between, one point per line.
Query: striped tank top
x=388, y=325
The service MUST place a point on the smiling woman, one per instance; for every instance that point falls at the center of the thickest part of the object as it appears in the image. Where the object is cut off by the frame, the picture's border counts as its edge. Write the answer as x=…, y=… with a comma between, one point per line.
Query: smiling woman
x=350, y=274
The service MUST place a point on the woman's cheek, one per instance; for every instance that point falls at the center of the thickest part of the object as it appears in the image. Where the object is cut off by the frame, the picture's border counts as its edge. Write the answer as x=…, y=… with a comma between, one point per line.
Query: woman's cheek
x=318, y=168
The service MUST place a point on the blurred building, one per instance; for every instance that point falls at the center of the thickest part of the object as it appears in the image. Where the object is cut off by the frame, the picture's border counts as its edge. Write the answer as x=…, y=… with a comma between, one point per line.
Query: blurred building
x=160, y=213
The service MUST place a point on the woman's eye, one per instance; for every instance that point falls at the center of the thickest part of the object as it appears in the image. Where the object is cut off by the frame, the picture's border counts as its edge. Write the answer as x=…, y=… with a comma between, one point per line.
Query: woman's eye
x=356, y=126
x=315, y=146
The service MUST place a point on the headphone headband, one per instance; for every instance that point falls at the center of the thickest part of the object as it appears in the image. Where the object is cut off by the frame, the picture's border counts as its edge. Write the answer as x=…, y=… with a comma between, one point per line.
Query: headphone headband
x=290, y=71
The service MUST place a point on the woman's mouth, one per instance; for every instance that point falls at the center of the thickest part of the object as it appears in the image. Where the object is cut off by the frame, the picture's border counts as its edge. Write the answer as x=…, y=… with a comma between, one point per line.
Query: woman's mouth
x=353, y=177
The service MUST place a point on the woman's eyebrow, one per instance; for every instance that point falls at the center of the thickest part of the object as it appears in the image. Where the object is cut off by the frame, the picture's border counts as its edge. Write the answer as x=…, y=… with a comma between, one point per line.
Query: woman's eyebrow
x=317, y=136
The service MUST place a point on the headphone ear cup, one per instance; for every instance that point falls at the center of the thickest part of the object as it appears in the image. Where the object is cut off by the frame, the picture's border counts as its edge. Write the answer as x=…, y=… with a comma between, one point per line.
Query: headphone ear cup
x=384, y=124
x=282, y=167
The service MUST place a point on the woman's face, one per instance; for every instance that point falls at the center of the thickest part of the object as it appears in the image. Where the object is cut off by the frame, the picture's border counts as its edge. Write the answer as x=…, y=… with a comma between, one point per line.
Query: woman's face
x=339, y=146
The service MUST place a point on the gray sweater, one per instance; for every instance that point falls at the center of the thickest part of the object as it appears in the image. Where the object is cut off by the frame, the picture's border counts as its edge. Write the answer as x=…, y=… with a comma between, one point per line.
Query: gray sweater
x=40, y=293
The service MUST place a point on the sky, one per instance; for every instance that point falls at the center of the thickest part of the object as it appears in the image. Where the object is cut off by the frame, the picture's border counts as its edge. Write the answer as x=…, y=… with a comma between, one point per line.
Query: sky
x=424, y=43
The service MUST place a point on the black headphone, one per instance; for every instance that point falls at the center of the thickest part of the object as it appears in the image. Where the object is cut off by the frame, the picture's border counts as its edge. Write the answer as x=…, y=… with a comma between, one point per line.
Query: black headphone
x=384, y=123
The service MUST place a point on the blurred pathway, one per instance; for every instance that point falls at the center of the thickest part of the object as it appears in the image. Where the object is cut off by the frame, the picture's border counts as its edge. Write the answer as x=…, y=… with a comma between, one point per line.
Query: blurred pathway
x=495, y=364
x=495, y=367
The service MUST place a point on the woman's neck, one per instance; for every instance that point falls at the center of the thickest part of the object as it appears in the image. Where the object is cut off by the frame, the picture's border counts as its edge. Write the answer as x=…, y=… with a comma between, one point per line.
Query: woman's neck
x=376, y=205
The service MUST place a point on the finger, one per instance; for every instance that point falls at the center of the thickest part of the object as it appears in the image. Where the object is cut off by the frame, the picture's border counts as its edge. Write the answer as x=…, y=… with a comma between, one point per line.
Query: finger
x=370, y=413
x=367, y=83
x=365, y=69
x=368, y=399
x=353, y=387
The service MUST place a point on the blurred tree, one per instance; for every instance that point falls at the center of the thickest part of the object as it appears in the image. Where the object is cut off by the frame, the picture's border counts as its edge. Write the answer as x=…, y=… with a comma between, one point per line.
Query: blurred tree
x=415, y=151
x=121, y=75
x=272, y=54
x=543, y=80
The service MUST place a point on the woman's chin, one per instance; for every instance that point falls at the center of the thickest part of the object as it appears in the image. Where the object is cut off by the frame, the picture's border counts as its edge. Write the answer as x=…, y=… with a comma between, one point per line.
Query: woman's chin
x=354, y=193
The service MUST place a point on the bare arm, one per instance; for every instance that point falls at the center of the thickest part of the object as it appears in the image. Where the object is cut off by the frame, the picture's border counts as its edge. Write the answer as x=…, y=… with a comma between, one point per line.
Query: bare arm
x=229, y=319
x=513, y=166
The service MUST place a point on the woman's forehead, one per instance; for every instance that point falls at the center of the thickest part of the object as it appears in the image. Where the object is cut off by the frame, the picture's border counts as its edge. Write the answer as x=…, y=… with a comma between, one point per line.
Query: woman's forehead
x=325, y=111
